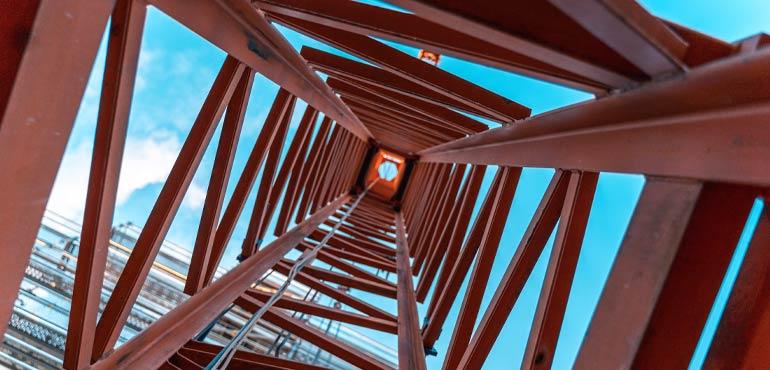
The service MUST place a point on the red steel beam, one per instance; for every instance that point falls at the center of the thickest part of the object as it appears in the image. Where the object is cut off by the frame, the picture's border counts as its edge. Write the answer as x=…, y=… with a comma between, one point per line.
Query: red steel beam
x=330, y=344
x=180, y=361
x=370, y=244
x=397, y=86
x=242, y=31
x=404, y=115
x=220, y=175
x=701, y=48
x=631, y=31
x=147, y=245
x=422, y=209
x=43, y=74
x=410, y=29
x=252, y=240
x=355, y=282
x=549, y=315
x=440, y=230
x=292, y=191
x=666, y=275
x=203, y=353
x=338, y=163
x=291, y=165
x=489, y=241
x=246, y=182
x=150, y=348
x=340, y=147
x=411, y=355
x=695, y=276
x=344, y=266
x=424, y=230
x=315, y=309
x=125, y=39
x=359, y=258
x=523, y=262
x=287, y=165
x=316, y=168
x=740, y=341
x=350, y=246
x=536, y=30
x=684, y=119
x=330, y=149
x=342, y=297
x=454, y=239
x=362, y=230
x=308, y=171
x=421, y=230
x=471, y=98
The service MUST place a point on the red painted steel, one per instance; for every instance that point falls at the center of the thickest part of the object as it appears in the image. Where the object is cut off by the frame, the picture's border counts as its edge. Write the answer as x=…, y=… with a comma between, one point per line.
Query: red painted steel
x=150, y=348
x=523, y=262
x=410, y=352
x=562, y=264
x=438, y=238
x=489, y=241
x=125, y=38
x=290, y=197
x=44, y=75
x=202, y=353
x=473, y=98
x=739, y=341
x=412, y=30
x=139, y=263
x=220, y=174
x=316, y=309
x=332, y=345
x=246, y=182
x=456, y=234
x=296, y=150
x=252, y=239
x=631, y=31
x=684, y=109
x=673, y=267
x=538, y=30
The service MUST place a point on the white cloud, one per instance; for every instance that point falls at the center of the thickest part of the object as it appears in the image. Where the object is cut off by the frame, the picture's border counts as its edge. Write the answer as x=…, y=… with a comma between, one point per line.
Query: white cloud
x=145, y=66
x=147, y=160
x=195, y=197
x=68, y=197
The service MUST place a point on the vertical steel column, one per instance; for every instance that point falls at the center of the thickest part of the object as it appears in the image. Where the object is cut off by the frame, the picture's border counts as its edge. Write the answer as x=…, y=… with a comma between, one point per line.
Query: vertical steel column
x=410, y=350
x=246, y=182
x=523, y=262
x=220, y=175
x=546, y=325
x=289, y=199
x=251, y=242
x=489, y=241
x=43, y=74
x=125, y=38
x=439, y=240
x=289, y=167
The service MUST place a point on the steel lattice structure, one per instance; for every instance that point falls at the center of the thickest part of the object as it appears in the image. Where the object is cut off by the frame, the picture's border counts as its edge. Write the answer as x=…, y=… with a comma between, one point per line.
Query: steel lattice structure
x=688, y=111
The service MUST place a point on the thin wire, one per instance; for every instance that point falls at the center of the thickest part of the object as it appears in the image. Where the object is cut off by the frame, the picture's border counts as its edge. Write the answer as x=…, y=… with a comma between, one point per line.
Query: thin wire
x=224, y=356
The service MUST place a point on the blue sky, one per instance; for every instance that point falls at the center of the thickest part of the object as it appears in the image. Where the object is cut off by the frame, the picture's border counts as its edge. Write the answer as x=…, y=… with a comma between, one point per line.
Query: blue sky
x=176, y=70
